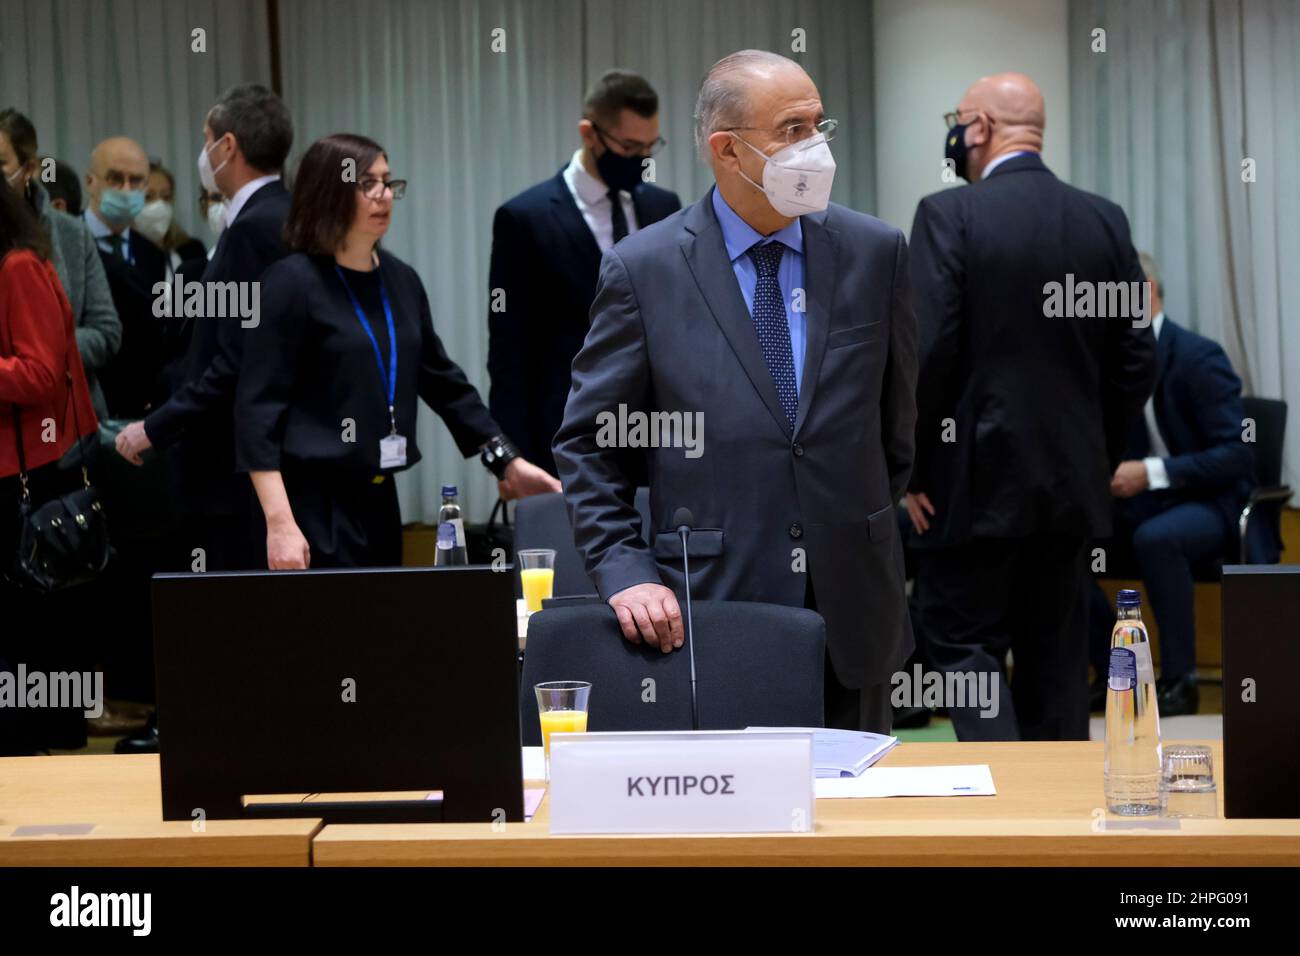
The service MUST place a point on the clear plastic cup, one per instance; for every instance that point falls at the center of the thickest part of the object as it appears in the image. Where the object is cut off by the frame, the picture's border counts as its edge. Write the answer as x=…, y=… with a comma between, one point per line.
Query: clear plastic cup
x=561, y=708
x=1187, y=787
x=537, y=576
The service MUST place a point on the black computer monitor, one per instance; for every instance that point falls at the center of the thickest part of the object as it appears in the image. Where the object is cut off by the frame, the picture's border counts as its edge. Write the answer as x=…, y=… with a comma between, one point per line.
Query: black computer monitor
x=338, y=681
x=1261, y=701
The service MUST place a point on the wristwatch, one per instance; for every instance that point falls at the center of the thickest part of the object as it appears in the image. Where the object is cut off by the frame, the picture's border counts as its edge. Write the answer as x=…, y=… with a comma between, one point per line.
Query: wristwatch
x=497, y=454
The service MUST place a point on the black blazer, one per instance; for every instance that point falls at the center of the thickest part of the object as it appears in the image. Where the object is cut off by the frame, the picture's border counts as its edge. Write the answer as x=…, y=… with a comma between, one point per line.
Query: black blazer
x=199, y=418
x=1198, y=409
x=192, y=249
x=134, y=380
x=309, y=365
x=1040, y=407
x=546, y=260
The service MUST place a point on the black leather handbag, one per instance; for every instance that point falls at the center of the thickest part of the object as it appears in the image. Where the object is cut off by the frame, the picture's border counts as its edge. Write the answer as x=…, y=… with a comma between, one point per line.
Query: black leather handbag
x=484, y=543
x=62, y=542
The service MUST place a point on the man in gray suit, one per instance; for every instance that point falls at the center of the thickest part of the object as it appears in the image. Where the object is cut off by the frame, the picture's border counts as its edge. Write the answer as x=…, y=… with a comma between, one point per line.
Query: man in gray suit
x=759, y=349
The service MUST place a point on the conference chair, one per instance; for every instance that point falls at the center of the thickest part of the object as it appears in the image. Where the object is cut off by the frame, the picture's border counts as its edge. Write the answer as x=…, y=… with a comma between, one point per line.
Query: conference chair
x=1259, y=527
x=542, y=521
x=756, y=665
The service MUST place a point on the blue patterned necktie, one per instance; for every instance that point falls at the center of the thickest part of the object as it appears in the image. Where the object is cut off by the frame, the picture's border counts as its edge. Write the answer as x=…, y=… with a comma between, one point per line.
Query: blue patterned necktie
x=773, y=326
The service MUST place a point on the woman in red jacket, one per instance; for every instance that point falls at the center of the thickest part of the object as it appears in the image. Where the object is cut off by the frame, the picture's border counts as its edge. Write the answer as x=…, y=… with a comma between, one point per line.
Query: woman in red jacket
x=38, y=352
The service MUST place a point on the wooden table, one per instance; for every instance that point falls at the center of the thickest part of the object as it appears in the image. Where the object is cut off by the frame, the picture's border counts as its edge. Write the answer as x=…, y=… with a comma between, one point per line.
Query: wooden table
x=1049, y=810
x=113, y=806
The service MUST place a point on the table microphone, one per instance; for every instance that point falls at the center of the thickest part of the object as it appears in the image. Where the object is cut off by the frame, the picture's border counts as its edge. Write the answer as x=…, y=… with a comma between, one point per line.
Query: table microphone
x=683, y=518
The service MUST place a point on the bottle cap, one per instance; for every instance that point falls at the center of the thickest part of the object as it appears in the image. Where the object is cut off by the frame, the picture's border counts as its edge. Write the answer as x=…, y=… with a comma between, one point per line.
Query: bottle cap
x=1127, y=597
x=449, y=491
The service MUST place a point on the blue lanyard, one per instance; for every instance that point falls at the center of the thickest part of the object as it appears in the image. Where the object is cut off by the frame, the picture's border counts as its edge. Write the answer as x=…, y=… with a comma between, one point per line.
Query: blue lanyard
x=389, y=377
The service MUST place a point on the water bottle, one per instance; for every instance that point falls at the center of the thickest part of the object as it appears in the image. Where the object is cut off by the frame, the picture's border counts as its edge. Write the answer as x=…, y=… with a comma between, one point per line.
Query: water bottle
x=1132, y=717
x=451, y=531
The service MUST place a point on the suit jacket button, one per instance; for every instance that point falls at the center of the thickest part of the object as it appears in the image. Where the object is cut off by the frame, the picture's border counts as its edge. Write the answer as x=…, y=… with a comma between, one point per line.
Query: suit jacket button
x=796, y=530
x=798, y=450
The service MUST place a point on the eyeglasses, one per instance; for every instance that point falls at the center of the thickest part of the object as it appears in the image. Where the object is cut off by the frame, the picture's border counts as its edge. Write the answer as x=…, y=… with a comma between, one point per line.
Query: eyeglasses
x=953, y=118
x=117, y=179
x=375, y=188
x=628, y=146
x=795, y=132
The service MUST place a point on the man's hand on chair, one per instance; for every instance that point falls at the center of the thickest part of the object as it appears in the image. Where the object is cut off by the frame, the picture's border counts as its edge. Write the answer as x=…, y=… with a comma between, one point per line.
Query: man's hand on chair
x=649, y=612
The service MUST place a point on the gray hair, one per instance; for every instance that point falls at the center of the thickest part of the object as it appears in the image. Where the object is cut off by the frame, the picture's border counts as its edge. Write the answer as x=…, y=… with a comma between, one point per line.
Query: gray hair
x=1151, y=270
x=723, y=102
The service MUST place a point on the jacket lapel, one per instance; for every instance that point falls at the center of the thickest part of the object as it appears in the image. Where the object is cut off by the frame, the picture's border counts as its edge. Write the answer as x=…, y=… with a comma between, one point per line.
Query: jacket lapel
x=706, y=255
x=569, y=219
x=218, y=253
x=819, y=278
x=1165, y=345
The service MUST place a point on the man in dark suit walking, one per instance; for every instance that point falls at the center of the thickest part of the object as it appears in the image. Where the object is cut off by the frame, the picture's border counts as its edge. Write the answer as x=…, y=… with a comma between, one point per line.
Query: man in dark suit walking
x=780, y=328
x=248, y=134
x=133, y=381
x=1179, y=491
x=1036, y=356
x=546, y=249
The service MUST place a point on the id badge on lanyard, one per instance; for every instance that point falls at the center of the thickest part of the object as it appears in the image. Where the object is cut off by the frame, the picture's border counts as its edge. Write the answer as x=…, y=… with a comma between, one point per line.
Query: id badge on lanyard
x=392, y=447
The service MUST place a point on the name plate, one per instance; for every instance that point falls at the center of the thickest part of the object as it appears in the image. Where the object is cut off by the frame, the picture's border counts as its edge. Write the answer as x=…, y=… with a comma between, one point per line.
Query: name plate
x=726, y=781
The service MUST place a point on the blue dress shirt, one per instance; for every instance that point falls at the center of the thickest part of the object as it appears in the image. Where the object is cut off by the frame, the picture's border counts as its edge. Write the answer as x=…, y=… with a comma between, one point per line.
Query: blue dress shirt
x=739, y=236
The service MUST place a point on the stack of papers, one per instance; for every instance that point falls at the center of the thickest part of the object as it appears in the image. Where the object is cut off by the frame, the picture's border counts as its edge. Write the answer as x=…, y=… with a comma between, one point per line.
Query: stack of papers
x=842, y=753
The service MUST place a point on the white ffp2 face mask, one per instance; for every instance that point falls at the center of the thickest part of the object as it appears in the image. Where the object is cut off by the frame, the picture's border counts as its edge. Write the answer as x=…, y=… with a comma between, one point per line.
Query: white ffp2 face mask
x=797, y=179
x=154, y=220
x=216, y=218
x=208, y=175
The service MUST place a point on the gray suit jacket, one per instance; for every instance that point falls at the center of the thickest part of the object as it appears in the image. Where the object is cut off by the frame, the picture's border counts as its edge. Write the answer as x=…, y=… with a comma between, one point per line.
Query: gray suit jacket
x=76, y=259
x=670, y=332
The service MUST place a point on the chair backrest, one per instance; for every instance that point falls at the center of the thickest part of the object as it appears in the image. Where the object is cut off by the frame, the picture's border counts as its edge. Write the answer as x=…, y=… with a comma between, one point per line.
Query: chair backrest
x=542, y=521
x=755, y=665
x=1269, y=415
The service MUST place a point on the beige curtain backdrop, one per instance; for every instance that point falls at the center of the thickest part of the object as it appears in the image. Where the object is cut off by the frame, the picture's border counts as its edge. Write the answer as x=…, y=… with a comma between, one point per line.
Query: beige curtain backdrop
x=1186, y=92
x=84, y=70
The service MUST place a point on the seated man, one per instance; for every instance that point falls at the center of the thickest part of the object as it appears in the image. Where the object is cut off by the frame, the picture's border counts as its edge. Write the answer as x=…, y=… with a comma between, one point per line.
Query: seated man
x=1179, y=493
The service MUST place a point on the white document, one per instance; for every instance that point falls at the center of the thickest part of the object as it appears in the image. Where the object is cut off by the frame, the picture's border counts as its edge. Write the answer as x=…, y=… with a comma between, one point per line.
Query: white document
x=841, y=753
x=971, y=780
x=534, y=763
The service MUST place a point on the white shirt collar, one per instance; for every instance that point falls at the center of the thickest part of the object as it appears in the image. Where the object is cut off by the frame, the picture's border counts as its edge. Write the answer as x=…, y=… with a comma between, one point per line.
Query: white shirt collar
x=1158, y=321
x=237, y=201
x=590, y=189
x=995, y=163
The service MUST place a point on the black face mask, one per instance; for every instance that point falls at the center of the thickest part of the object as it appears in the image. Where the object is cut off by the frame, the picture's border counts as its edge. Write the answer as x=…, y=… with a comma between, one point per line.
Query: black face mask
x=619, y=172
x=954, y=148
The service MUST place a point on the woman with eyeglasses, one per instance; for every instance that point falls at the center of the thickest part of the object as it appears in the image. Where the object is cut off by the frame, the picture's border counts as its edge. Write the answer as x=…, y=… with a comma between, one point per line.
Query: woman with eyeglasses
x=343, y=349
